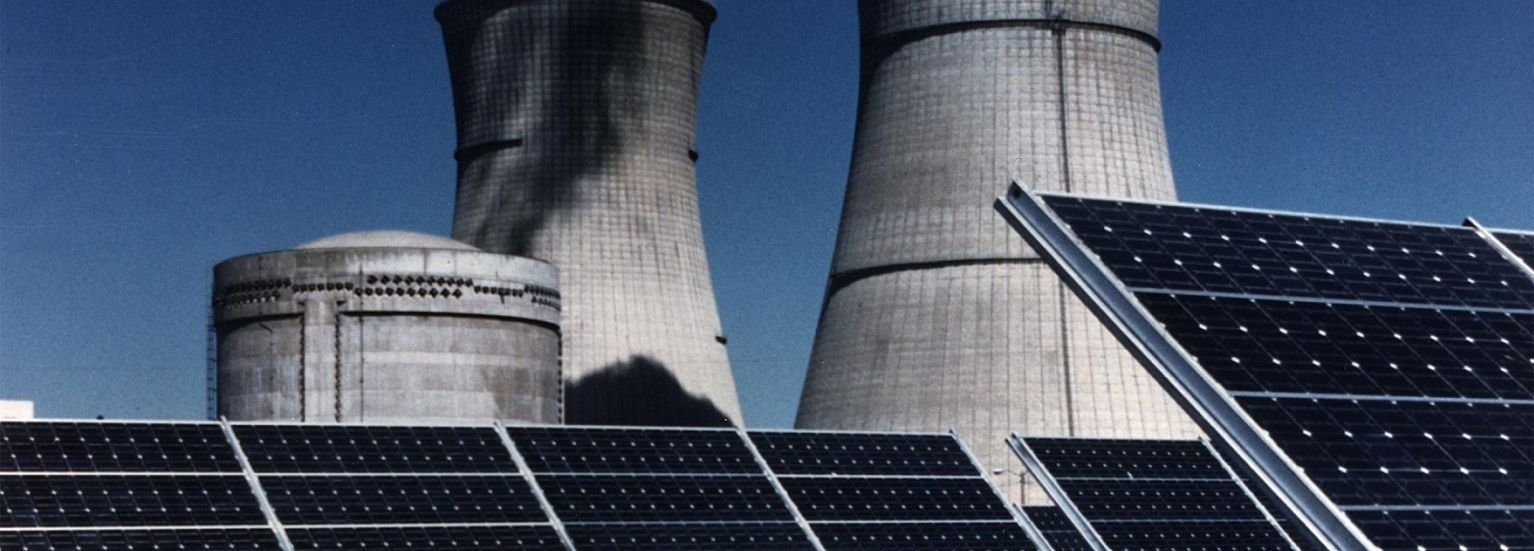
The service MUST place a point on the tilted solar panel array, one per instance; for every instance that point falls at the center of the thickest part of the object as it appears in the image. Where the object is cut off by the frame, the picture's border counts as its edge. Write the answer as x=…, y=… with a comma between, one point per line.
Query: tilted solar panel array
x=1140, y=495
x=94, y=485
x=1392, y=363
x=1056, y=528
x=890, y=492
x=98, y=485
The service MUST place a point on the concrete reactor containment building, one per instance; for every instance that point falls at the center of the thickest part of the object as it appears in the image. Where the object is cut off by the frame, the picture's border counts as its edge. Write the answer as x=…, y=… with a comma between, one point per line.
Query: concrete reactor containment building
x=936, y=314
x=576, y=145
x=387, y=327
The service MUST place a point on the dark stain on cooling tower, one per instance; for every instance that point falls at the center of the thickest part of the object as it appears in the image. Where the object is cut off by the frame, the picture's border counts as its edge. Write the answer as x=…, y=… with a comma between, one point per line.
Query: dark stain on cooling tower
x=658, y=398
x=560, y=126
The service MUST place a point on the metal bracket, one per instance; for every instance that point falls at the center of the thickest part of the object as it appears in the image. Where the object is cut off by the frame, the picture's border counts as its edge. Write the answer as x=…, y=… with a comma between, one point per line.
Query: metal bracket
x=1052, y=487
x=255, y=486
x=532, y=483
x=1203, y=399
x=772, y=477
x=1029, y=528
x=1501, y=247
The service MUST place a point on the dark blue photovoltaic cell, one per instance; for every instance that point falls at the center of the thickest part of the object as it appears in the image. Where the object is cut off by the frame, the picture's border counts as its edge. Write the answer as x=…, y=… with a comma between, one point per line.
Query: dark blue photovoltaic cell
x=1056, y=528
x=894, y=499
x=1108, y=458
x=777, y=536
x=1249, y=535
x=373, y=449
x=824, y=453
x=1379, y=452
x=608, y=499
x=1282, y=346
x=1143, y=500
x=90, y=447
x=401, y=499
x=1447, y=530
x=583, y=450
x=126, y=500
x=114, y=540
x=1219, y=250
x=1520, y=244
x=958, y=536
x=455, y=538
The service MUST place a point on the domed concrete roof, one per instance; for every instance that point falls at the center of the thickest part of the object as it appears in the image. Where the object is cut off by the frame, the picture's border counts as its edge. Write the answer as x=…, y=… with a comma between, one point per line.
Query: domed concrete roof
x=390, y=239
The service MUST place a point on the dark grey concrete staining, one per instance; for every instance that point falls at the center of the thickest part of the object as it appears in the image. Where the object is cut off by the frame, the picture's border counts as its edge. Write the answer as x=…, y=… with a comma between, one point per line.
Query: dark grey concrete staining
x=575, y=145
x=387, y=327
x=937, y=316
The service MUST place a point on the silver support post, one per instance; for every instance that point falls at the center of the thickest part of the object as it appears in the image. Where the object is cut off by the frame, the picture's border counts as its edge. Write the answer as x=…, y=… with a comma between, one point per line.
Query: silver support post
x=532, y=484
x=772, y=477
x=255, y=486
x=1029, y=528
x=1252, y=496
x=1052, y=487
x=1215, y=411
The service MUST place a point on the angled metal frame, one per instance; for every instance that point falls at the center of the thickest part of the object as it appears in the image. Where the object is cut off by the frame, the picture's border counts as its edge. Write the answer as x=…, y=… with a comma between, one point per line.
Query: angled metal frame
x=255, y=486
x=1496, y=243
x=1236, y=478
x=1052, y=487
x=1029, y=528
x=532, y=483
x=1215, y=411
x=777, y=485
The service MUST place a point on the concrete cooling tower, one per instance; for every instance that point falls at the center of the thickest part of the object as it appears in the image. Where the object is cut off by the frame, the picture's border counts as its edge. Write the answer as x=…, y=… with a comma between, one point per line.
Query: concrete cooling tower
x=937, y=316
x=387, y=327
x=575, y=145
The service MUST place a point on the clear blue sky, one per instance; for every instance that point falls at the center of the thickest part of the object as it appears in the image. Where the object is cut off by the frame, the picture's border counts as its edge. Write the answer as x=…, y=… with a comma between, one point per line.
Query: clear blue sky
x=142, y=142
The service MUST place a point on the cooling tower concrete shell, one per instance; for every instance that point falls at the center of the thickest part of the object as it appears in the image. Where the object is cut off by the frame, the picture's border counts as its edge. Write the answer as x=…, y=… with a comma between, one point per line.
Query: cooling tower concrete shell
x=576, y=145
x=387, y=327
x=937, y=316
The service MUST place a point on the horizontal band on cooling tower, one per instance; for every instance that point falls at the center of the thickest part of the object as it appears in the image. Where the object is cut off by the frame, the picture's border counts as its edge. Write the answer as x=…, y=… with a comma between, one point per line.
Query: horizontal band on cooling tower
x=472, y=151
x=702, y=10
x=896, y=39
x=843, y=279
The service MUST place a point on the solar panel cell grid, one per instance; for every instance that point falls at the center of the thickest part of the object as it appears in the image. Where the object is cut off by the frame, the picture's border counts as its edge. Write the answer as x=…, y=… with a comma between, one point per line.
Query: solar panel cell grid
x=1255, y=535
x=114, y=447
x=1281, y=346
x=1216, y=250
x=917, y=499
x=781, y=536
x=309, y=500
x=799, y=453
x=1056, y=528
x=373, y=449
x=1129, y=499
x=119, y=540
x=577, y=450
x=960, y=536
x=679, y=498
x=455, y=538
x=1448, y=530
x=126, y=500
x=1098, y=458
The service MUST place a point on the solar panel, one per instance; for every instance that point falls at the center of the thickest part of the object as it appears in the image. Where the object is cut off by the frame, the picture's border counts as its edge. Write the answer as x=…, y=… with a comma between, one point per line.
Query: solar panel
x=1390, y=364
x=436, y=499
x=890, y=491
x=1151, y=494
x=780, y=536
x=793, y=453
x=649, y=451
x=1056, y=528
x=114, y=447
x=274, y=448
x=956, y=536
x=104, y=540
x=458, y=538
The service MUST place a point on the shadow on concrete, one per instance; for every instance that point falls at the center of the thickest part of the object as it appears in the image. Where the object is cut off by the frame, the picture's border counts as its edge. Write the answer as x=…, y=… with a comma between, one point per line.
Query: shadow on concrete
x=640, y=391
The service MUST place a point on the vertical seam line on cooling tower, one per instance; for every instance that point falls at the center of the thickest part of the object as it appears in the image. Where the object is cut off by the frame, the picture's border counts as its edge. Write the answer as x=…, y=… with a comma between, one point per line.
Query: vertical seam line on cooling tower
x=1059, y=28
x=336, y=337
x=303, y=369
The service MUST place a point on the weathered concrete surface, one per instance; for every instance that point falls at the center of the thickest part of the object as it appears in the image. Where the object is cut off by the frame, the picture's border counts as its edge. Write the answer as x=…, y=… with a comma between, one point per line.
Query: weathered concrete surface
x=937, y=315
x=387, y=327
x=576, y=145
